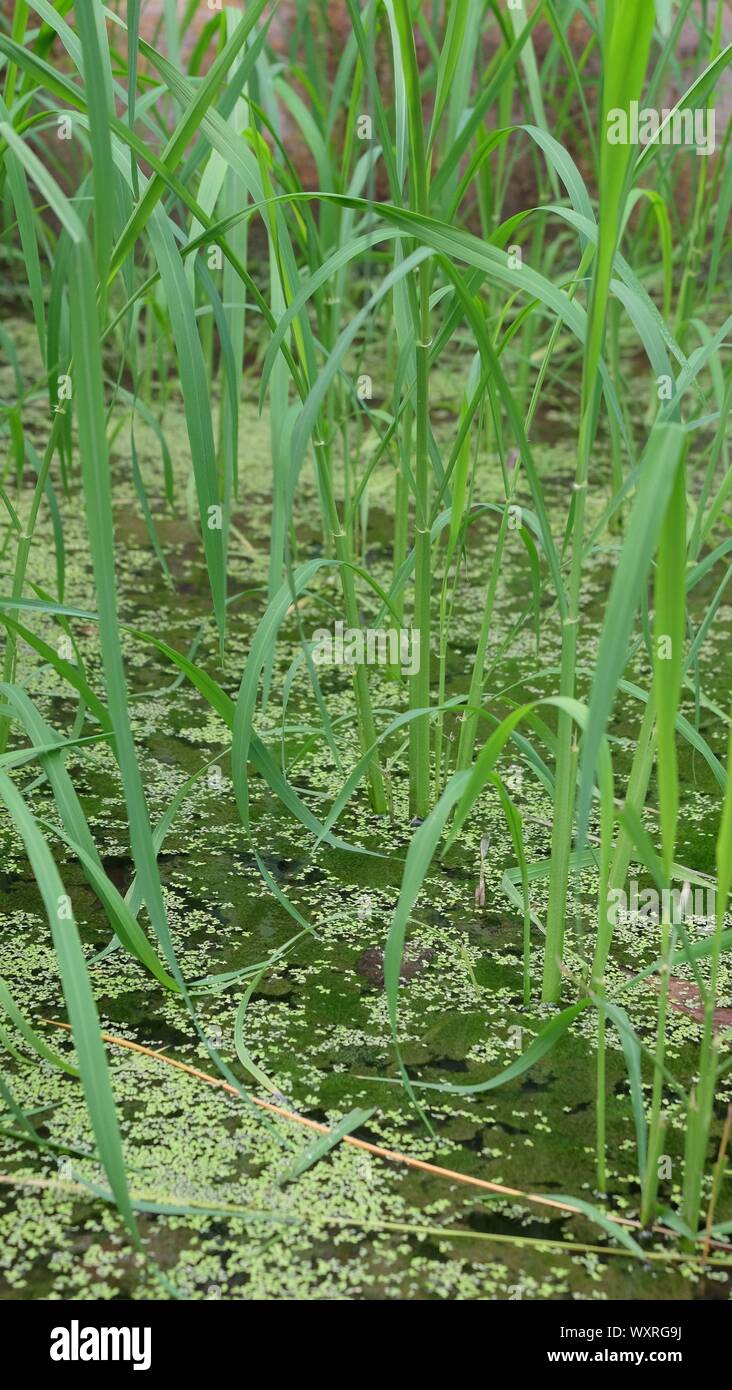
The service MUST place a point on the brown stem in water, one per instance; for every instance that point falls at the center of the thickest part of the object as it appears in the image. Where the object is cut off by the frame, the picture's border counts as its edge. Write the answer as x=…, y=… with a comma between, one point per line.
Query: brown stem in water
x=391, y=1154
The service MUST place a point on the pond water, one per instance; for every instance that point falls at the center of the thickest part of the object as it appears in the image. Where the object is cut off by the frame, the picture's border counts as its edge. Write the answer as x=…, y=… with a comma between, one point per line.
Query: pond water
x=353, y=1226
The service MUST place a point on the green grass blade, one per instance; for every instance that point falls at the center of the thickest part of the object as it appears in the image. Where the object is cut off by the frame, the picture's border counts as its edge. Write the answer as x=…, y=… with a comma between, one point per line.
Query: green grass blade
x=657, y=477
x=79, y=1001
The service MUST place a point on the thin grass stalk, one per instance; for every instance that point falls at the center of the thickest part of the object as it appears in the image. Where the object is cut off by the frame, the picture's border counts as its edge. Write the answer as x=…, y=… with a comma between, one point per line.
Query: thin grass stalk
x=669, y=630
x=22, y=555
x=699, y=1121
x=658, y=1120
x=469, y=725
x=460, y=509
x=635, y=797
x=717, y=1178
x=601, y=1103
x=701, y=214
x=366, y=723
x=419, y=731
x=627, y=40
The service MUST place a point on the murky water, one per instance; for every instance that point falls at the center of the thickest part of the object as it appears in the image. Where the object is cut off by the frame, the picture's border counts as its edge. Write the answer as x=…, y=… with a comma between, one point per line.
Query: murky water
x=353, y=1226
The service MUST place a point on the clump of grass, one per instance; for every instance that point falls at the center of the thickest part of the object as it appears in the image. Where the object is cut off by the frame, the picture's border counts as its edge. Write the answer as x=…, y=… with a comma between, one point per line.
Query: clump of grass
x=139, y=264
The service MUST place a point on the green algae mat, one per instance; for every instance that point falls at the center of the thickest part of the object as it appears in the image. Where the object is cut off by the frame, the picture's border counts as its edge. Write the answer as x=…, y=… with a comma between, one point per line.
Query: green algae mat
x=365, y=813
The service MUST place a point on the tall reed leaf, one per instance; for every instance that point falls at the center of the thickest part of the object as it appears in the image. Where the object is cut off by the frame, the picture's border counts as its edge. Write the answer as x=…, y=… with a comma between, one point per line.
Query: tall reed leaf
x=658, y=475
x=89, y=398
x=669, y=632
x=79, y=1000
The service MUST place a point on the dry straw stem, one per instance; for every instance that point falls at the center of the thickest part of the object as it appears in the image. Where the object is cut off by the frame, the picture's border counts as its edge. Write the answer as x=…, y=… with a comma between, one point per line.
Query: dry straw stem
x=392, y=1155
x=401, y=1227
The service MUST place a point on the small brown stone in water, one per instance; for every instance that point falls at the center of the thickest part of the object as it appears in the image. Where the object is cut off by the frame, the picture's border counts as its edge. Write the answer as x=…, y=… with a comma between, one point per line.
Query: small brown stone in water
x=414, y=960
